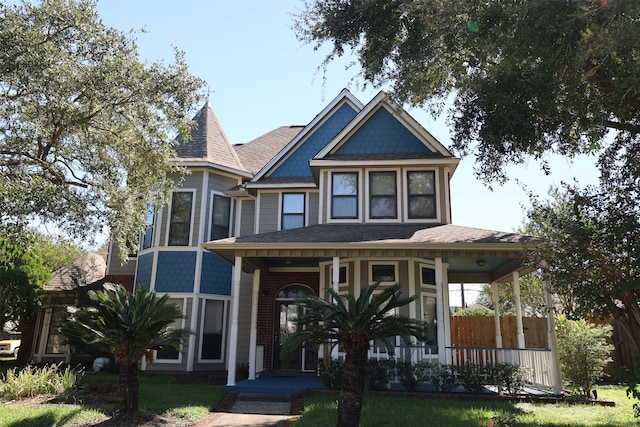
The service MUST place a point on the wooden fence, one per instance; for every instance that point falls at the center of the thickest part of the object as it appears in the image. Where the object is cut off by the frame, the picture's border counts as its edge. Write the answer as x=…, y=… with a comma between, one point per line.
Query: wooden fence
x=480, y=331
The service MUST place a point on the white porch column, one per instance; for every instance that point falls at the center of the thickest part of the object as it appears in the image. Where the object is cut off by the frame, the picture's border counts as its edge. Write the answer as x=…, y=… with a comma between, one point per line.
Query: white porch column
x=553, y=340
x=335, y=284
x=440, y=312
x=253, y=334
x=496, y=313
x=233, y=331
x=445, y=299
x=516, y=294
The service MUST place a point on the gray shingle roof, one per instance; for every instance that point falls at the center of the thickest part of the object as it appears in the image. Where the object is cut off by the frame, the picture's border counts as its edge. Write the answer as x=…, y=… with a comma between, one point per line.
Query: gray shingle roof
x=208, y=142
x=389, y=233
x=258, y=152
x=87, y=269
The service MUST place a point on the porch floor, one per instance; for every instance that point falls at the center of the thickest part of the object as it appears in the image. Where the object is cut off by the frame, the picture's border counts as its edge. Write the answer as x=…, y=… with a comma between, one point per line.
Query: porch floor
x=279, y=383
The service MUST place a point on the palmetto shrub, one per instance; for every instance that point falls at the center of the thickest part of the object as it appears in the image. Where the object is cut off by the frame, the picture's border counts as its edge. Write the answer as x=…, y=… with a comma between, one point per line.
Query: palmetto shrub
x=32, y=381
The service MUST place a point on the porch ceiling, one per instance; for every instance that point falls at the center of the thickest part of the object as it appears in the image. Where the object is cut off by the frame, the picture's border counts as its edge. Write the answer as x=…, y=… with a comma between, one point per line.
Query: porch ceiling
x=464, y=248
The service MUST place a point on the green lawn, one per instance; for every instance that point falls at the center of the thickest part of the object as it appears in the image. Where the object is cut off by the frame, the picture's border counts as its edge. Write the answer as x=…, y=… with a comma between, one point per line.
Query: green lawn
x=158, y=395
x=404, y=412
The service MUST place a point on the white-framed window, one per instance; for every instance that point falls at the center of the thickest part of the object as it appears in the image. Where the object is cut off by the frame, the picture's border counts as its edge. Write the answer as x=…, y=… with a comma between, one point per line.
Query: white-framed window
x=383, y=195
x=421, y=195
x=343, y=275
x=147, y=237
x=220, y=217
x=344, y=195
x=427, y=276
x=429, y=315
x=170, y=354
x=383, y=272
x=55, y=342
x=180, y=218
x=293, y=210
x=213, y=328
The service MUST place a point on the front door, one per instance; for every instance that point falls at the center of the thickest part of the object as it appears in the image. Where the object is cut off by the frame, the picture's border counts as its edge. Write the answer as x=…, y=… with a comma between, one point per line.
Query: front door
x=287, y=313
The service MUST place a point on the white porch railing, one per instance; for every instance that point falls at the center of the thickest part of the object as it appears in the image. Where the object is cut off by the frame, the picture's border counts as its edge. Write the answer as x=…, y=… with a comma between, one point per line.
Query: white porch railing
x=538, y=362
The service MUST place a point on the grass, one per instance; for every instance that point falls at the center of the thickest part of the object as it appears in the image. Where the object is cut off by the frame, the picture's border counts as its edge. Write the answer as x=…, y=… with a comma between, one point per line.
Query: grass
x=381, y=411
x=158, y=395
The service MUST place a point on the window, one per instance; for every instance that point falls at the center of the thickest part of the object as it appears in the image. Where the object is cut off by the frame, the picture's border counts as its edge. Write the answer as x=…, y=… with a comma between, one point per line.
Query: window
x=344, y=195
x=292, y=210
x=147, y=239
x=343, y=274
x=382, y=195
x=55, y=340
x=170, y=353
x=421, y=194
x=428, y=276
x=383, y=273
x=180, y=220
x=220, y=217
x=212, y=330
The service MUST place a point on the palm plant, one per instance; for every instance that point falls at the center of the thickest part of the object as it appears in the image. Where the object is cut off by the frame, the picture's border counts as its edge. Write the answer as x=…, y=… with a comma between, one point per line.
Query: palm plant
x=354, y=323
x=129, y=325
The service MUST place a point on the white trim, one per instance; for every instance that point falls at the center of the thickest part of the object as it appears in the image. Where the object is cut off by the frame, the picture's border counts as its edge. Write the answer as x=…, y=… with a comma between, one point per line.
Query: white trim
x=203, y=206
x=212, y=196
x=447, y=161
x=276, y=186
x=430, y=265
x=436, y=196
x=305, y=208
x=193, y=191
x=201, y=165
x=359, y=201
x=253, y=326
x=233, y=330
x=447, y=195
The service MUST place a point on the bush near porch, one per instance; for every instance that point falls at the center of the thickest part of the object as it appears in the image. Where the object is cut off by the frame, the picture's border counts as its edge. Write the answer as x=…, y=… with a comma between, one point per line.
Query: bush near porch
x=506, y=377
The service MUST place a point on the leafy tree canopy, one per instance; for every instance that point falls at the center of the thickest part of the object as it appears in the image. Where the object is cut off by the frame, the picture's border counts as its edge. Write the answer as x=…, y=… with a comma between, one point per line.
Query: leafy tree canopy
x=528, y=78
x=531, y=296
x=86, y=126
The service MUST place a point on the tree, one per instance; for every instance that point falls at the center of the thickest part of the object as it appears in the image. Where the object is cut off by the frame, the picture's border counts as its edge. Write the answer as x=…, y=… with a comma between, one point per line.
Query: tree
x=353, y=323
x=86, y=127
x=130, y=326
x=23, y=272
x=531, y=296
x=526, y=78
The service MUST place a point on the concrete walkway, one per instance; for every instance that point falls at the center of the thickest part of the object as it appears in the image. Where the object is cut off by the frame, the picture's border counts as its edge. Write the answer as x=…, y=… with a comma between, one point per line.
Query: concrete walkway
x=258, y=410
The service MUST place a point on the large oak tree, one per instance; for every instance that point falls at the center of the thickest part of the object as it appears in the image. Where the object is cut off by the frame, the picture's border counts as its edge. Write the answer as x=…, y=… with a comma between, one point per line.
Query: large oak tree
x=522, y=78
x=86, y=126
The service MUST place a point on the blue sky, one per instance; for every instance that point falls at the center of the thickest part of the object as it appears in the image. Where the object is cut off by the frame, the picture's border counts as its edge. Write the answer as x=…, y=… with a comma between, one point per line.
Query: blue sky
x=261, y=77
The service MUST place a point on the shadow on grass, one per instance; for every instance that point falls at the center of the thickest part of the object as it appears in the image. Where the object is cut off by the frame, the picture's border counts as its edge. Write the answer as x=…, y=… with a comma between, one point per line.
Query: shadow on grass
x=45, y=418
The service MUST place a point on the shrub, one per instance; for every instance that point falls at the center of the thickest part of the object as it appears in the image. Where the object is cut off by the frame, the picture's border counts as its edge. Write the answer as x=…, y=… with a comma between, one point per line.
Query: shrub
x=475, y=311
x=445, y=378
x=509, y=378
x=330, y=373
x=32, y=381
x=378, y=373
x=472, y=377
x=584, y=351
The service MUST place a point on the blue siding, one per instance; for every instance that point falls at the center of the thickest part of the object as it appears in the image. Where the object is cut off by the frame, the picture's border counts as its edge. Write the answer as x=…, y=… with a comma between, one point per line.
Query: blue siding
x=176, y=271
x=382, y=133
x=216, y=275
x=297, y=164
x=143, y=270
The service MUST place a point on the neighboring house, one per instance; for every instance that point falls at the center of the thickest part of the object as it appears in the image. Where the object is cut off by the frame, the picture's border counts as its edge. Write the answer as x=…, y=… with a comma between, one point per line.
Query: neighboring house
x=69, y=286
x=359, y=195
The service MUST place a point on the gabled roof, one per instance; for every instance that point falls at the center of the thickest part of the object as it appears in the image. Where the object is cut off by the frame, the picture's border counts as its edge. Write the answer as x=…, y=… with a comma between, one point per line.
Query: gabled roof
x=89, y=268
x=208, y=143
x=344, y=98
x=258, y=152
x=421, y=142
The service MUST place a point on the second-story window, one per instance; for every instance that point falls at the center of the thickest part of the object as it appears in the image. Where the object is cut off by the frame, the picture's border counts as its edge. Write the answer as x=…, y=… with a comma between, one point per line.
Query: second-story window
x=421, y=194
x=147, y=238
x=344, y=195
x=220, y=217
x=180, y=220
x=382, y=195
x=292, y=210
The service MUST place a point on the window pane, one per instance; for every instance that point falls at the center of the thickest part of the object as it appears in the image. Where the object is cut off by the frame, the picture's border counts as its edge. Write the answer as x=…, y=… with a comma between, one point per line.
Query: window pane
x=292, y=221
x=55, y=340
x=345, y=207
x=421, y=183
x=383, y=183
x=148, y=232
x=422, y=207
x=212, y=330
x=166, y=352
x=383, y=273
x=345, y=184
x=220, y=217
x=428, y=276
x=383, y=207
x=180, y=218
x=293, y=203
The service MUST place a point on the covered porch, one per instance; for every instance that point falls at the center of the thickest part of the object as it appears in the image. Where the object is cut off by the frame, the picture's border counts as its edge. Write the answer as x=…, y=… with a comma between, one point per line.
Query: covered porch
x=444, y=253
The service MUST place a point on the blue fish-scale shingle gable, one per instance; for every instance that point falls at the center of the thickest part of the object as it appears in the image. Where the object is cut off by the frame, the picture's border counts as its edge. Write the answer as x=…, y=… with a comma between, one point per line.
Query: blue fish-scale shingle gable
x=297, y=164
x=382, y=133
